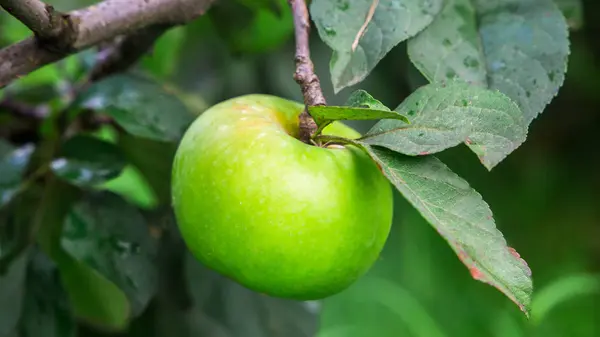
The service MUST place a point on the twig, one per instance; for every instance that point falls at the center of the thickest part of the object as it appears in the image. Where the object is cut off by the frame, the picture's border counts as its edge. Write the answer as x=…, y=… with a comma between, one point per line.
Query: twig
x=42, y=19
x=305, y=74
x=93, y=25
x=126, y=51
x=24, y=109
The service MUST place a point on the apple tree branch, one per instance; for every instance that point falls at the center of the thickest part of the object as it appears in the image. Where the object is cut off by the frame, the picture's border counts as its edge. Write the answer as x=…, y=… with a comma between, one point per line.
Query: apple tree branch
x=305, y=73
x=87, y=27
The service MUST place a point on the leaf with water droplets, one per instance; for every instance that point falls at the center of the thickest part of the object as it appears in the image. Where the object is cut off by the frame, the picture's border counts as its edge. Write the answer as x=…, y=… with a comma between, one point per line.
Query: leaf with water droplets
x=111, y=236
x=88, y=161
x=362, y=32
x=13, y=162
x=142, y=107
x=520, y=46
x=450, y=47
x=461, y=217
x=443, y=116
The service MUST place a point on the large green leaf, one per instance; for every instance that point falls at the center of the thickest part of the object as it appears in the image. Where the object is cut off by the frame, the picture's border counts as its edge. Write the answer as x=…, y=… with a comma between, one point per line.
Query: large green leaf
x=46, y=311
x=461, y=217
x=13, y=162
x=519, y=47
x=362, y=32
x=12, y=289
x=88, y=161
x=93, y=298
x=111, y=236
x=444, y=116
x=141, y=106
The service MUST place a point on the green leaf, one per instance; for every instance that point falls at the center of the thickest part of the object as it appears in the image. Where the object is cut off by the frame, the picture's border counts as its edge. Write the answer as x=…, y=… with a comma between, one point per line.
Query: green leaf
x=443, y=116
x=11, y=294
x=13, y=162
x=93, y=298
x=523, y=45
x=451, y=47
x=142, y=107
x=46, y=311
x=133, y=187
x=111, y=236
x=360, y=106
x=362, y=32
x=461, y=217
x=362, y=99
x=562, y=290
x=573, y=12
x=88, y=161
x=154, y=160
x=323, y=113
x=244, y=313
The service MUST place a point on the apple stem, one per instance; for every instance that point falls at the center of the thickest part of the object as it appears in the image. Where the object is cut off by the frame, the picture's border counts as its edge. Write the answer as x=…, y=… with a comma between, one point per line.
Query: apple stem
x=305, y=73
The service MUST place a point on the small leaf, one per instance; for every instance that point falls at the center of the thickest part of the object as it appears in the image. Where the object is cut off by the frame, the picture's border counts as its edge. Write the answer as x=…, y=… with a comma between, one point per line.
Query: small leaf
x=362, y=32
x=46, y=311
x=140, y=106
x=88, y=161
x=13, y=162
x=322, y=113
x=112, y=237
x=443, y=116
x=245, y=313
x=460, y=216
x=362, y=99
x=12, y=289
x=359, y=106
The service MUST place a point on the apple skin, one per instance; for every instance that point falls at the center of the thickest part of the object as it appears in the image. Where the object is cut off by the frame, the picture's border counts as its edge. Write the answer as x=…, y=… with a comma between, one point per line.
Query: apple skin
x=278, y=216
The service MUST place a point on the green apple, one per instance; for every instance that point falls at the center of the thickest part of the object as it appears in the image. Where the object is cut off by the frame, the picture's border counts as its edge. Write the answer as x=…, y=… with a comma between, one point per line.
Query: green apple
x=271, y=212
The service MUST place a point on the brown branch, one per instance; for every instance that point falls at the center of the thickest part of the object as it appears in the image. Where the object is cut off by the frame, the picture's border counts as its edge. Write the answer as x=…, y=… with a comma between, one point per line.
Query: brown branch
x=125, y=51
x=42, y=19
x=92, y=25
x=305, y=73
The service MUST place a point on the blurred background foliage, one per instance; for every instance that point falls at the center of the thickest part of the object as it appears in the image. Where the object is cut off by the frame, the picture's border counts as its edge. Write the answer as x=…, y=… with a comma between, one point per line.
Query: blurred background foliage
x=545, y=197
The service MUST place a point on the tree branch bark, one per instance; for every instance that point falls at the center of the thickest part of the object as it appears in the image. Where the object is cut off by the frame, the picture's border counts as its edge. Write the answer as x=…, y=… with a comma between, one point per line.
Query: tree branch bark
x=93, y=25
x=125, y=51
x=305, y=73
x=42, y=19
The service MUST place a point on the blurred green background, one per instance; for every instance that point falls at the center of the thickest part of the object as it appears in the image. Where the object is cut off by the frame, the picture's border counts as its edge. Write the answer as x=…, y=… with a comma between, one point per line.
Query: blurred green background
x=545, y=197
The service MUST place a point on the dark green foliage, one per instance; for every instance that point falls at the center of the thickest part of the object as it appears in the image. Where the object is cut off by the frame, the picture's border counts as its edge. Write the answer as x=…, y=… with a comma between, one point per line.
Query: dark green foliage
x=89, y=247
